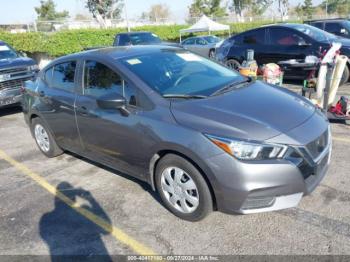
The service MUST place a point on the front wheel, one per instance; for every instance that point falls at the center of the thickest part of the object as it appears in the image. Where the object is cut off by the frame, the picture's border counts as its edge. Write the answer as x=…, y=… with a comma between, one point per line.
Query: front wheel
x=44, y=139
x=233, y=64
x=182, y=188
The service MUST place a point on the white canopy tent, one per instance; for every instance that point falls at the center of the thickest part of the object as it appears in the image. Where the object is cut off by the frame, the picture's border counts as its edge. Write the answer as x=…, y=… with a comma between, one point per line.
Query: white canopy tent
x=205, y=24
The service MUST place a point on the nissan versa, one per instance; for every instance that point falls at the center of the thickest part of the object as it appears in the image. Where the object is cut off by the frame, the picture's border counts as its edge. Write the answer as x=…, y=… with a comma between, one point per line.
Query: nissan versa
x=203, y=136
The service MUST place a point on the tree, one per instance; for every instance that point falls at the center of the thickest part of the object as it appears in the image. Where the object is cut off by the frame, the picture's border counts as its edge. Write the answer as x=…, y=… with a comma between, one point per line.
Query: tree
x=283, y=6
x=258, y=7
x=308, y=8
x=206, y=7
x=47, y=11
x=105, y=10
x=159, y=12
x=341, y=7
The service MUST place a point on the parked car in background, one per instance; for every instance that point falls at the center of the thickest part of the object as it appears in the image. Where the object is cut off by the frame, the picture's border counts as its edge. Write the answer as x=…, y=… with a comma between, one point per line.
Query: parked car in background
x=15, y=69
x=279, y=42
x=202, y=45
x=199, y=133
x=139, y=38
x=339, y=26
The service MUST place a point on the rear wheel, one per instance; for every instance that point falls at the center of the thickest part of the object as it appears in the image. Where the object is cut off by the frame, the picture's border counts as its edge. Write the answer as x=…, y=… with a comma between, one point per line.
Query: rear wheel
x=44, y=139
x=212, y=54
x=182, y=188
x=233, y=64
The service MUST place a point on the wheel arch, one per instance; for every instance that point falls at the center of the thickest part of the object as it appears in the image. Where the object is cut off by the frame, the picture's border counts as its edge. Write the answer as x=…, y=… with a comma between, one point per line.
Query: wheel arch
x=163, y=152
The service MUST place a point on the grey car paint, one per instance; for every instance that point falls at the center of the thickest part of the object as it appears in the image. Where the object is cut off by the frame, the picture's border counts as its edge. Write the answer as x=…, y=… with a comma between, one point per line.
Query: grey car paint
x=133, y=144
x=199, y=46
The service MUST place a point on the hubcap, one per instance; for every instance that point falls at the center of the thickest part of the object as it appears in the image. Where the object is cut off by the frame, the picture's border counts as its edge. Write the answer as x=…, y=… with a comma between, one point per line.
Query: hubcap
x=42, y=138
x=179, y=189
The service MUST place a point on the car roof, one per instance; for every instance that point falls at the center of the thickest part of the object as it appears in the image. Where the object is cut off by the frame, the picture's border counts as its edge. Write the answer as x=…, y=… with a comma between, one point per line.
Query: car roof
x=119, y=52
x=134, y=33
x=325, y=20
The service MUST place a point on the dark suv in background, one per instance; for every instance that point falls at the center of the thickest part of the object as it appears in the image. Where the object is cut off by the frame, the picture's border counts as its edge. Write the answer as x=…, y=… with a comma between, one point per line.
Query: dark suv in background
x=139, y=38
x=14, y=71
x=339, y=26
x=279, y=42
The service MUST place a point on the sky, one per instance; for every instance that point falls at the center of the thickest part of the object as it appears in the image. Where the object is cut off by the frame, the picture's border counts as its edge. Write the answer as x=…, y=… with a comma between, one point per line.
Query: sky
x=22, y=11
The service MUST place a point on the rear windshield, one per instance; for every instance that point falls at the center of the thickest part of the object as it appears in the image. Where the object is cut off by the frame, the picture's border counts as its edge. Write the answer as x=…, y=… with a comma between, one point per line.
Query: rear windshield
x=7, y=53
x=180, y=72
x=144, y=38
x=313, y=32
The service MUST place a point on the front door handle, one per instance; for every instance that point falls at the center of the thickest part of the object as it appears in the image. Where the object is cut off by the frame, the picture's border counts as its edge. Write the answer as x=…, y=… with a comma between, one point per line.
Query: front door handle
x=83, y=110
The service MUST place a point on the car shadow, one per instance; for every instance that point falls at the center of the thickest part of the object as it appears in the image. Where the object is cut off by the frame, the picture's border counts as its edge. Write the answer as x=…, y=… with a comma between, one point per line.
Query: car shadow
x=144, y=185
x=69, y=235
x=10, y=110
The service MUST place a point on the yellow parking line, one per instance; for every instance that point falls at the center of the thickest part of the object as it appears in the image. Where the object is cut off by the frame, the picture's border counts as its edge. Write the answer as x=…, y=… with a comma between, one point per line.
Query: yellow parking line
x=117, y=233
x=342, y=139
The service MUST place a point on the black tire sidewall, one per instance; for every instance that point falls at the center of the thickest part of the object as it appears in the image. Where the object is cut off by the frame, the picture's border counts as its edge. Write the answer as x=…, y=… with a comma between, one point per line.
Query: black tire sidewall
x=205, y=200
x=54, y=149
x=233, y=61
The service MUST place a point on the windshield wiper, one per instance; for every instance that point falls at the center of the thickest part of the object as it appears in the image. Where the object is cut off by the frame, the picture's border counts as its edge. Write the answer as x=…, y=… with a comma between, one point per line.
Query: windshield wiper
x=231, y=86
x=184, y=96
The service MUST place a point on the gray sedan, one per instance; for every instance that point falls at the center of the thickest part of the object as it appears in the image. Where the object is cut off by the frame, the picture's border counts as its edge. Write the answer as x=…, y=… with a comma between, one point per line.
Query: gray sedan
x=202, y=45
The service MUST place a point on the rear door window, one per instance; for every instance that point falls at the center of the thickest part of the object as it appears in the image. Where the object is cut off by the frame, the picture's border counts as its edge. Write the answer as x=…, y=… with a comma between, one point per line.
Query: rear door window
x=189, y=42
x=318, y=25
x=63, y=76
x=123, y=40
x=285, y=37
x=256, y=37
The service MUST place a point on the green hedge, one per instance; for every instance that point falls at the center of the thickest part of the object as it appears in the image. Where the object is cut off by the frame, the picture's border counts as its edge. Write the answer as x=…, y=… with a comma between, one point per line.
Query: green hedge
x=70, y=41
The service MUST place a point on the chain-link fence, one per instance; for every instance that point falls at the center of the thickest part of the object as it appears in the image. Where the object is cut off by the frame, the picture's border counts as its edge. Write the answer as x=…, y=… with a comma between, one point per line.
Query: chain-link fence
x=52, y=26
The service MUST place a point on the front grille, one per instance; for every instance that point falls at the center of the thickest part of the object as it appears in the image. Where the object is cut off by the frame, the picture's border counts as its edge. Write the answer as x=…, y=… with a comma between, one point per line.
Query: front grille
x=13, y=84
x=14, y=70
x=316, y=147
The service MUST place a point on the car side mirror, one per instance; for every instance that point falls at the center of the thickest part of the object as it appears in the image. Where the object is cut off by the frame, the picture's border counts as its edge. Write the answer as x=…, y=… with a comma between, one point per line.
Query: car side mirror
x=113, y=101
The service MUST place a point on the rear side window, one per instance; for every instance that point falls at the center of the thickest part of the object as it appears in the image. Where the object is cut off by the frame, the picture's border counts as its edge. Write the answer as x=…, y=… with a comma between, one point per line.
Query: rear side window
x=189, y=42
x=63, y=76
x=279, y=36
x=256, y=37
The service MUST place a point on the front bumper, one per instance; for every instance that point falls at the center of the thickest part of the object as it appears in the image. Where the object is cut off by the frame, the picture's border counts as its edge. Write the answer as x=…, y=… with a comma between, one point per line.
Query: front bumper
x=259, y=186
x=10, y=97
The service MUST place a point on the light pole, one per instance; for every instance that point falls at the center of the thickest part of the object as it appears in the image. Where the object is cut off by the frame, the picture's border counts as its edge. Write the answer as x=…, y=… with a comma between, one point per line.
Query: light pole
x=126, y=15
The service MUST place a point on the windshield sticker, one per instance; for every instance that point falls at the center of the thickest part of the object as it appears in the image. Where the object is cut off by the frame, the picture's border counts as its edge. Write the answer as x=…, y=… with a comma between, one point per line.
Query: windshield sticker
x=134, y=61
x=4, y=48
x=189, y=57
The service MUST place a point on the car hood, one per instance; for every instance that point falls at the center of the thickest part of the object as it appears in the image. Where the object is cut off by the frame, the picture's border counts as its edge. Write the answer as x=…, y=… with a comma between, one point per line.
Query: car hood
x=20, y=61
x=257, y=111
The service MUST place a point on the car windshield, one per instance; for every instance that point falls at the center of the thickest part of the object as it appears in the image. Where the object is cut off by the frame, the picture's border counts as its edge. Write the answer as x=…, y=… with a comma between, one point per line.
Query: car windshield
x=313, y=32
x=178, y=72
x=212, y=39
x=144, y=38
x=7, y=53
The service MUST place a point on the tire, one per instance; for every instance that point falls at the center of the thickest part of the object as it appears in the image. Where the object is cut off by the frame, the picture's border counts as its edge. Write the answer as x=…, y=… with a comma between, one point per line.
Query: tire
x=44, y=139
x=233, y=64
x=190, y=195
x=345, y=77
x=212, y=54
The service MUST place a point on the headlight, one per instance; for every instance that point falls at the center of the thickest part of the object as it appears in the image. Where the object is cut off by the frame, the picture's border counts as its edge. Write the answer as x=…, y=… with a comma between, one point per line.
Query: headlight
x=244, y=150
x=33, y=68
